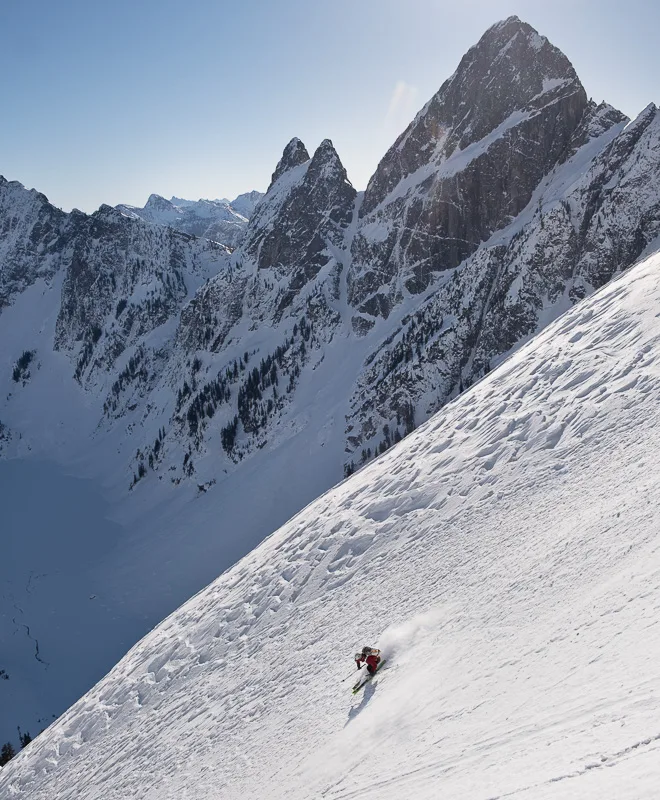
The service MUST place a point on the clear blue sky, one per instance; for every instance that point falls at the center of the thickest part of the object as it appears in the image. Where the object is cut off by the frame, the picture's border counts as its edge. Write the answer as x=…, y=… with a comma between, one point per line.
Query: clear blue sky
x=110, y=101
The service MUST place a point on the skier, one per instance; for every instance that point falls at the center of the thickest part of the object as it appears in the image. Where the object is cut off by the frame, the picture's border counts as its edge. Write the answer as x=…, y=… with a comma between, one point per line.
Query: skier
x=371, y=656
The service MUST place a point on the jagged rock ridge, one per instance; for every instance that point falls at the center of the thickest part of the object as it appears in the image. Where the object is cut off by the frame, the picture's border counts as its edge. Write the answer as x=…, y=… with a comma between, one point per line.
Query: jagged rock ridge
x=120, y=277
x=305, y=215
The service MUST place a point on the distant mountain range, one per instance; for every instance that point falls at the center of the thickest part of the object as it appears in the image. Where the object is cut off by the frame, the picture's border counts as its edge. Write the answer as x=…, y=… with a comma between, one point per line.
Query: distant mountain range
x=222, y=221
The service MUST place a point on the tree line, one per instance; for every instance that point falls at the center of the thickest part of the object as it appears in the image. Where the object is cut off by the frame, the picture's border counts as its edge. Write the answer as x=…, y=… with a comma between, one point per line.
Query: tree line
x=8, y=751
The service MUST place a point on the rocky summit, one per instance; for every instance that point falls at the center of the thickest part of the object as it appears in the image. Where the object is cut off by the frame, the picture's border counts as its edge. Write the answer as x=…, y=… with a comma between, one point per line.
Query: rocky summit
x=466, y=166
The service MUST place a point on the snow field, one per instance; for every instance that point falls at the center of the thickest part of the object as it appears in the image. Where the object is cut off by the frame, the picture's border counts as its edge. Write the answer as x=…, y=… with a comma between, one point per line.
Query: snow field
x=505, y=556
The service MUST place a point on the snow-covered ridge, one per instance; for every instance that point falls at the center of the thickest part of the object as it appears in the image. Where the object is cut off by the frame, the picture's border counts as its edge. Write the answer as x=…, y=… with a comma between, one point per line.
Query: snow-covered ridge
x=505, y=562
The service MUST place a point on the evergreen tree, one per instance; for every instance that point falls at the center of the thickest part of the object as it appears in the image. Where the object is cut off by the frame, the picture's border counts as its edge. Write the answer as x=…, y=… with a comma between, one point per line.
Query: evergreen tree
x=24, y=738
x=7, y=752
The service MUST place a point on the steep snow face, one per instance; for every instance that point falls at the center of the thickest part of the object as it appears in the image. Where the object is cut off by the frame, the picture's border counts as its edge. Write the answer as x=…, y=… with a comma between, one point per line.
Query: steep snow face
x=505, y=557
x=127, y=378
x=465, y=166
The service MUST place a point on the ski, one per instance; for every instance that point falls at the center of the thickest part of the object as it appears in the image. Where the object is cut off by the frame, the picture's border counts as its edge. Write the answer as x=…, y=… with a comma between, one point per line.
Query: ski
x=361, y=682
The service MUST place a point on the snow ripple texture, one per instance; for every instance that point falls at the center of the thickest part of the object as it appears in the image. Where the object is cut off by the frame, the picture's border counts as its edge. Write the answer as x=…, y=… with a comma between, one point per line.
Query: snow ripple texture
x=505, y=557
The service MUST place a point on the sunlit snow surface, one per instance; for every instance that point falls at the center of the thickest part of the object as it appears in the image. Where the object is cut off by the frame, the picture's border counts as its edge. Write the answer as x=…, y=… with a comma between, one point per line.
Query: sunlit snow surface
x=506, y=558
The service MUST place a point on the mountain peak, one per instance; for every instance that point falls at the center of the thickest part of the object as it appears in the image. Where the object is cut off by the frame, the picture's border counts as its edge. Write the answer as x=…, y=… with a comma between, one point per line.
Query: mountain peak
x=326, y=165
x=326, y=150
x=512, y=68
x=295, y=153
x=511, y=21
x=157, y=202
x=494, y=129
x=503, y=33
x=245, y=203
x=511, y=61
x=325, y=154
x=104, y=211
x=648, y=112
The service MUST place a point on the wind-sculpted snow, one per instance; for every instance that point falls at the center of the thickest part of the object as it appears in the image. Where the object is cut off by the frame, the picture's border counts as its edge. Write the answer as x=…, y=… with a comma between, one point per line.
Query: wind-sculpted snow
x=506, y=557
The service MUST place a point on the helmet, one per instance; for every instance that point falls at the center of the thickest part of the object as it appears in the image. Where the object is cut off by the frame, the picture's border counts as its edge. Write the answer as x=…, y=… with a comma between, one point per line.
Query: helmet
x=358, y=656
x=366, y=650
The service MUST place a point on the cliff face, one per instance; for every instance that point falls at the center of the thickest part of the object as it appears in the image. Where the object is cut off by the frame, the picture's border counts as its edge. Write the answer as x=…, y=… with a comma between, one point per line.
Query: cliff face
x=301, y=222
x=590, y=217
x=31, y=239
x=113, y=279
x=465, y=166
x=123, y=278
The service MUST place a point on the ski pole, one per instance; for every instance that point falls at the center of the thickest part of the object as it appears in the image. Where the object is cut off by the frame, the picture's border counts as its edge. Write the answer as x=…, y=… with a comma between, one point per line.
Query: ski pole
x=349, y=676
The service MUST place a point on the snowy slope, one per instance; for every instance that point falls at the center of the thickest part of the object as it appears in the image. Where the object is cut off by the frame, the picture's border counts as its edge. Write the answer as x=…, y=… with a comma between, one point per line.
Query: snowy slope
x=505, y=557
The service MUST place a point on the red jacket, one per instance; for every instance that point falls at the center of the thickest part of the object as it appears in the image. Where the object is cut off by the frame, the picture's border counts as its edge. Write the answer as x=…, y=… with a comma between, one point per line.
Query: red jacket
x=371, y=661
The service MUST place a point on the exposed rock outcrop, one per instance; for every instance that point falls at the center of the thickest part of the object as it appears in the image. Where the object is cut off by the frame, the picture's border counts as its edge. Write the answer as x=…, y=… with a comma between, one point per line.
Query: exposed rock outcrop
x=467, y=164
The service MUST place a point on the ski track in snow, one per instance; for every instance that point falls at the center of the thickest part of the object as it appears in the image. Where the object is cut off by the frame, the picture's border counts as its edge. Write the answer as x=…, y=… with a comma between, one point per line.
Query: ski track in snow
x=504, y=556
